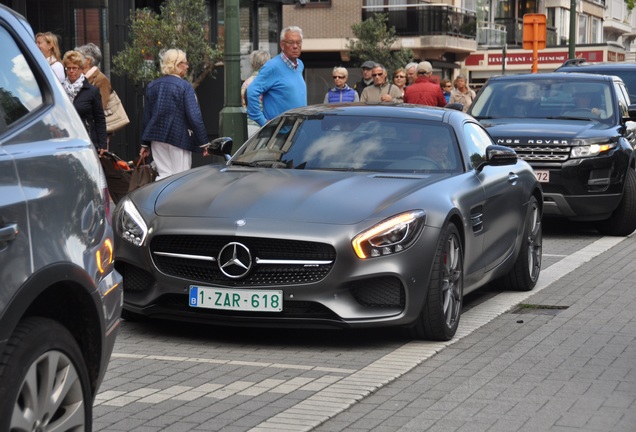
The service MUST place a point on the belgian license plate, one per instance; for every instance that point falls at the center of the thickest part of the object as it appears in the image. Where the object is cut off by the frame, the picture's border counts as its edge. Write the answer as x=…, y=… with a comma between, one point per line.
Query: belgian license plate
x=236, y=299
x=543, y=176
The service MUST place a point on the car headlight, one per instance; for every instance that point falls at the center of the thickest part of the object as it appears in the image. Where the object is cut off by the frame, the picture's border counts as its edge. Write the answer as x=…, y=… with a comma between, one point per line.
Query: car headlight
x=581, y=151
x=133, y=228
x=389, y=236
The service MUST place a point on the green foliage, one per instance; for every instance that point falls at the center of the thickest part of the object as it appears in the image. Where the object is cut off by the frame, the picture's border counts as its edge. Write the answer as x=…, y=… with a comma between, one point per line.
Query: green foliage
x=182, y=24
x=374, y=41
x=630, y=4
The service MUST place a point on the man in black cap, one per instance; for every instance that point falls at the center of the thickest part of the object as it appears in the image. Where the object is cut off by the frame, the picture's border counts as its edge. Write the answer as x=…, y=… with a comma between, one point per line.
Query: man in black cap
x=366, y=79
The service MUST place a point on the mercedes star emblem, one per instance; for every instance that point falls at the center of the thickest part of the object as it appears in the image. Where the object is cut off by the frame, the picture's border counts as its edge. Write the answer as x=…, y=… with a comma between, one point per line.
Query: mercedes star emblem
x=235, y=260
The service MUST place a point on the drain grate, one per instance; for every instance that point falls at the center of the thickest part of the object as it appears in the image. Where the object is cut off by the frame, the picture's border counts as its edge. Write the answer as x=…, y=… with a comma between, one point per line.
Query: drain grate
x=536, y=309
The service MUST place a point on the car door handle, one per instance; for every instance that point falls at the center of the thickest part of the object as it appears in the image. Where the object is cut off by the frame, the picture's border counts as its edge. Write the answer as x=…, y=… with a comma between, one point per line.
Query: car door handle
x=512, y=178
x=8, y=233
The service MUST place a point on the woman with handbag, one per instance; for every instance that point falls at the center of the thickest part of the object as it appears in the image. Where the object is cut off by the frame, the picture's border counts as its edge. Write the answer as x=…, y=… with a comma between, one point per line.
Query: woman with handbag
x=86, y=99
x=173, y=126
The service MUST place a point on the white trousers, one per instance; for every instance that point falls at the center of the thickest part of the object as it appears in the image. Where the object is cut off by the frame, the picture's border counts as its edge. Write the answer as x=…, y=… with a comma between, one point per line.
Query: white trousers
x=170, y=159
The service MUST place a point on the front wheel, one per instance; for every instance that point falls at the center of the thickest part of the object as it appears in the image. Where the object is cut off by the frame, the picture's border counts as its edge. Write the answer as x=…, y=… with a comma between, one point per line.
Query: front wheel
x=439, y=317
x=623, y=220
x=44, y=380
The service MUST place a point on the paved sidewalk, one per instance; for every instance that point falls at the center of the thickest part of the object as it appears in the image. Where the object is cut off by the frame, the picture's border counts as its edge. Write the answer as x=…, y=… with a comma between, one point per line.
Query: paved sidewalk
x=566, y=364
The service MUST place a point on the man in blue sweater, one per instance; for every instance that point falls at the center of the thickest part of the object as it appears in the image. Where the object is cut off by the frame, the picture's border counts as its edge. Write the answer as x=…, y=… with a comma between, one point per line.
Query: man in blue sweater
x=280, y=81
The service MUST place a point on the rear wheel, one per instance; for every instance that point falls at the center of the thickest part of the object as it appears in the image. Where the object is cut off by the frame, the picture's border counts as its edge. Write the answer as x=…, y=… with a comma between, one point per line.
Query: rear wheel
x=440, y=315
x=623, y=220
x=525, y=273
x=44, y=380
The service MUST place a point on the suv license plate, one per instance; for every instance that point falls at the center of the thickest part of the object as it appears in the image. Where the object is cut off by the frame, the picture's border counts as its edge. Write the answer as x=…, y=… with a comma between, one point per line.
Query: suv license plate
x=236, y=299
x=543, y=176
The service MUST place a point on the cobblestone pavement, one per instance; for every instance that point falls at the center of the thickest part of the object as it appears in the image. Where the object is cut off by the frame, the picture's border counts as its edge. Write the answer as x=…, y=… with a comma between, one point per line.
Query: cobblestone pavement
x=568, y=362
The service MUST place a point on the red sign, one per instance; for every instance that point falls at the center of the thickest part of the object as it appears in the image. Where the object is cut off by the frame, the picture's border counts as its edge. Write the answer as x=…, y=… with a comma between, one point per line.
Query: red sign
x=553, y=57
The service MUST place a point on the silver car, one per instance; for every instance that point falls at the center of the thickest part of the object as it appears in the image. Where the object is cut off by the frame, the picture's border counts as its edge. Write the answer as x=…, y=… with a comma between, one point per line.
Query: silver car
x=335, y=216
x=60, y=296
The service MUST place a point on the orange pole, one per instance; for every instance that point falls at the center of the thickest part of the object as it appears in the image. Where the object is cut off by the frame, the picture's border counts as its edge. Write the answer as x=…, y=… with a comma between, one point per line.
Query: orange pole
x=535, y=46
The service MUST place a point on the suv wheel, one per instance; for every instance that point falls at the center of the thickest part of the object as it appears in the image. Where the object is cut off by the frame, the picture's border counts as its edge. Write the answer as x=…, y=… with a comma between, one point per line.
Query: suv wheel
x=45, y=383
x=623, y=220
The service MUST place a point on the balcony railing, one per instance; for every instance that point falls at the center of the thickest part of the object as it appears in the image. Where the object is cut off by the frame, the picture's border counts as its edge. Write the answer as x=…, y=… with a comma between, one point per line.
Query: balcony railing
x=490, y=34
x=427, y=20
x=514, y=32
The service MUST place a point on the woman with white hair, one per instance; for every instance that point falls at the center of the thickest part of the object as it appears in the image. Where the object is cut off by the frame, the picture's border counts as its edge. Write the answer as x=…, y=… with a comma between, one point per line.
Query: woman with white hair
x=173, y=126
x=341, y=92
x=257, y=59
x=93, y=56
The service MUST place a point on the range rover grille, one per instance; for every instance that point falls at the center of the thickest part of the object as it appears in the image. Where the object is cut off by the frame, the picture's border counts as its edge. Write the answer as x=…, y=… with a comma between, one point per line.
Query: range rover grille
x=542, y=153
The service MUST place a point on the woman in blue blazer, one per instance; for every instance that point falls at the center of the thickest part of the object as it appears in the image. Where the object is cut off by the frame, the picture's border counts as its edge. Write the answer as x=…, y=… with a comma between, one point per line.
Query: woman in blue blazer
x=173, y=125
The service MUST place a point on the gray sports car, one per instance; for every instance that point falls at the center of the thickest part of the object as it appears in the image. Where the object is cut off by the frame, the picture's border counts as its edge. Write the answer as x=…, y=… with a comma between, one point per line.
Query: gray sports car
x=335, y=215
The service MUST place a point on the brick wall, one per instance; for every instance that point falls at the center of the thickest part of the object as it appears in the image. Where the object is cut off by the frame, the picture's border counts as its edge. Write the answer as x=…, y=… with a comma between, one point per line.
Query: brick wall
x=333, y=21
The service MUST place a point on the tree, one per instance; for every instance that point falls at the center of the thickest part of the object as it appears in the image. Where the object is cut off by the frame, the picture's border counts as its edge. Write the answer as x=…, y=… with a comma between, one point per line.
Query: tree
x=182, y=24
x=374, y=42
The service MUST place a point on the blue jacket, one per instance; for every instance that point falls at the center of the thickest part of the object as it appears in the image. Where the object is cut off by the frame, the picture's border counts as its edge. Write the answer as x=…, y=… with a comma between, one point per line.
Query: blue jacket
x=172, y=114
x=345, y=94
x=282, y=88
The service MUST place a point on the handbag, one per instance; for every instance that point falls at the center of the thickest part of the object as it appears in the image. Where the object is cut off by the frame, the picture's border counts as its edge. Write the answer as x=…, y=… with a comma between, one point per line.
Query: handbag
x=116, y=117
x=141, y=175
x=117, y=173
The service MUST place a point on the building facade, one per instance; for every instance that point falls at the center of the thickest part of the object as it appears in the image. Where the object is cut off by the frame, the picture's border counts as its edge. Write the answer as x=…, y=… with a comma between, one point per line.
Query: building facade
x=476, y=38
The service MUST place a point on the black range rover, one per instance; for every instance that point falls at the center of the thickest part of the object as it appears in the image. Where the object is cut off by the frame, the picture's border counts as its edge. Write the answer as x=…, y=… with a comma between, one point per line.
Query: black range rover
x=577, y=132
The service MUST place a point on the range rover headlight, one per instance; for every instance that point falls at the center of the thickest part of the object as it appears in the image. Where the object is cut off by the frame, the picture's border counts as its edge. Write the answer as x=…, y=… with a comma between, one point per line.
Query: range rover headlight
x=390, y=236
x=132, y=227
x=581, y=151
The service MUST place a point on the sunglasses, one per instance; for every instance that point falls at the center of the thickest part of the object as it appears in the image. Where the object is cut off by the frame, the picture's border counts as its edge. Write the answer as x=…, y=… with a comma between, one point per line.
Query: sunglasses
x=376, y=75
x=338, y=77
x=400, y=76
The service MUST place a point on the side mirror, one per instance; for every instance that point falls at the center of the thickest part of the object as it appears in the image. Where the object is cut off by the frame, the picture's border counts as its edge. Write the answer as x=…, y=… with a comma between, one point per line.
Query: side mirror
x=220, y=147
x=497, y=155
x=455, y=106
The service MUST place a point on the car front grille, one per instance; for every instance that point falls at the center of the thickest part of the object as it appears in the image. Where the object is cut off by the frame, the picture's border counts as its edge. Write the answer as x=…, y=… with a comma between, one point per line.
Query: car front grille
x=274, y=261
x=542, y=153
x=383, y=292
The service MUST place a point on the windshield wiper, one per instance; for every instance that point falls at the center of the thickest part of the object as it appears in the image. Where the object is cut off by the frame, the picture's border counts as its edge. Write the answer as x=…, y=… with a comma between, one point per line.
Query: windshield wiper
x=571, y=118
x=241, y=163
x=271, y=163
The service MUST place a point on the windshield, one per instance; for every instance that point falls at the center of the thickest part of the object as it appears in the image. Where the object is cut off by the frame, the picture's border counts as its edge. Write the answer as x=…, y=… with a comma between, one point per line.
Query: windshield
x=348, y=142
x=548, y=98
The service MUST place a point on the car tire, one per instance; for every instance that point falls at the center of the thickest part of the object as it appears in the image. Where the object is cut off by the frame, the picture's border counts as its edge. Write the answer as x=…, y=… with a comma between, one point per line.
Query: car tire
x=525, y=272
x=623, y=220
x=440, y=314
x=44, y=379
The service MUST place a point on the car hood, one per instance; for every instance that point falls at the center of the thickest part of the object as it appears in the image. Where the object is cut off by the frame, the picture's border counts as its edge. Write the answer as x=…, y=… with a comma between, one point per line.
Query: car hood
x=544, y=129
x=290, y=195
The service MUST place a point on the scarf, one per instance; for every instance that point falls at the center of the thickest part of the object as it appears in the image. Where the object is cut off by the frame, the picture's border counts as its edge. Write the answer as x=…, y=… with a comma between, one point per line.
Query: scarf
x=73, y=88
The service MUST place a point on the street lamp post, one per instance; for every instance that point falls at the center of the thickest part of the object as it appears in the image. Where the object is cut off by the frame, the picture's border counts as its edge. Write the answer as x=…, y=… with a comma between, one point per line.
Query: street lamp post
x=232, y=119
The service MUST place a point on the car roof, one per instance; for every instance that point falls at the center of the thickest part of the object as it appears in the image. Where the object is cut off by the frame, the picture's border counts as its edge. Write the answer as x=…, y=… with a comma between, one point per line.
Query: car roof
x=565, y=76
x=597, y=66
x=400, y=110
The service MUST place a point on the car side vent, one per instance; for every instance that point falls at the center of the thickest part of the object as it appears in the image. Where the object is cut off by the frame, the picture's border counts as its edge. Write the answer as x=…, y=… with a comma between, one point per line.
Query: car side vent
x=477, y=219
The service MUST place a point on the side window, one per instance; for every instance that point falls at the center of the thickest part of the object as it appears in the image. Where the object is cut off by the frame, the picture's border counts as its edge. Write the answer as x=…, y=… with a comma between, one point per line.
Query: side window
x=19, y=91
x=476, y=141
x=623, y=99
